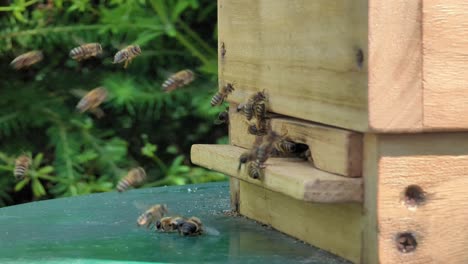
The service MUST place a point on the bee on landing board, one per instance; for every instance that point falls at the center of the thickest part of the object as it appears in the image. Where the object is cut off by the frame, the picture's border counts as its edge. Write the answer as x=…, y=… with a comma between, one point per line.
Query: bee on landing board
x=220, y=96
x=92, y=100
x=134, y=178
x=27, y=59
x=127, y=55
x=255, y=169
x=86, y=51
x=22, y=164
x=177, y=80
x=152, y=215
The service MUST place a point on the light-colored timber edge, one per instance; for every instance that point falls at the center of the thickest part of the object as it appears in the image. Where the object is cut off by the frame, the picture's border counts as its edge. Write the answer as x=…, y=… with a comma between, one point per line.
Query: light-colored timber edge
x=290, y=176
x=436, y=162
x=332, y=227
x=395, y=66
x=302, y=53
x=445, y=75
x=333, y=150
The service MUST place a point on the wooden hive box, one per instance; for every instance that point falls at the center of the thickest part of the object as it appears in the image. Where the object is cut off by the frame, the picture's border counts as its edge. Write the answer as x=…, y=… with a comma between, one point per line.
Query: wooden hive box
x=343, y=77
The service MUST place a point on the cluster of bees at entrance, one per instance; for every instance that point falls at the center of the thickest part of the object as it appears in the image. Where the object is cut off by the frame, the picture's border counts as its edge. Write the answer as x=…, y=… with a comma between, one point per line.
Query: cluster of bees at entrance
x=91, y=101
x=268, y=142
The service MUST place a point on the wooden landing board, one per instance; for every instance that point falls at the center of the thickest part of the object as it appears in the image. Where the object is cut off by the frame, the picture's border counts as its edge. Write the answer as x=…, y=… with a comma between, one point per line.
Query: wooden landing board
x=445, y=64
x=290, y=176
x=437, y=163
x=303, y=53
x=332, y=227
x=333, y=150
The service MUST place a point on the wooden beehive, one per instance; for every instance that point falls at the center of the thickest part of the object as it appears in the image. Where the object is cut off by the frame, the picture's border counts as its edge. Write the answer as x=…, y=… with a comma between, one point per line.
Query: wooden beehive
x=344, y=77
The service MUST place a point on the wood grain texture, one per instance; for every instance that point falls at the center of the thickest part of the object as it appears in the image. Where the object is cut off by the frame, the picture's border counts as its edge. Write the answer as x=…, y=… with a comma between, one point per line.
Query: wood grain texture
x=445, y=64
x=304, y=54
x=395, y=66
x=438, y=163
x=333, y=150
x=369, y=249
x=332, y=227
x=234, y=191
x=292, y=177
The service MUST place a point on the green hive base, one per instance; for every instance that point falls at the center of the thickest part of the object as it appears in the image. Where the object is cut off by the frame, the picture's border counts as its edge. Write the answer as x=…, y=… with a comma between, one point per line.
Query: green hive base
x=101, y=228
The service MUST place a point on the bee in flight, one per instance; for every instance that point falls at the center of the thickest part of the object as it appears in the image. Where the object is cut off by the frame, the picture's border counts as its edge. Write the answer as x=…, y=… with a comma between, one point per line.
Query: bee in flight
x=192, y=227
x=134, y=178
x=152, y=215
x=127, y=54
x=92, y=100
x=177, y=80
x=27, y=59
x=220, y=96
x=169, y=223
x=22, y=164
x=86, y=51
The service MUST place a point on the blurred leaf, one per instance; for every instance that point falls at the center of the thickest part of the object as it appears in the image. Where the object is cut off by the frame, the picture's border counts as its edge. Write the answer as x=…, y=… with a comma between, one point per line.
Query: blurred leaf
x=38, y=159
x=45, y=170
x=37, y=188
x=20, y=185
x=149, y=150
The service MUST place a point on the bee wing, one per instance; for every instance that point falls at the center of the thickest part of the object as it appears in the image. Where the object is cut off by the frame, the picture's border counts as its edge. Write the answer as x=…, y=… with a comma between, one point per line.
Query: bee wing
x=78, y=92
x=210, y=231
x=142, y=206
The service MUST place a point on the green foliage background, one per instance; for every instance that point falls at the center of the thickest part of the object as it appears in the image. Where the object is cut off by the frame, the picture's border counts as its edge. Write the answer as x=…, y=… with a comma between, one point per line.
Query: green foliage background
x=76, y=153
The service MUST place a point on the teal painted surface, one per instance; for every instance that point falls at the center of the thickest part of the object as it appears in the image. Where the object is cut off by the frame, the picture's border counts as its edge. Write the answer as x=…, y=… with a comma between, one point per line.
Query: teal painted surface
x=101, y=228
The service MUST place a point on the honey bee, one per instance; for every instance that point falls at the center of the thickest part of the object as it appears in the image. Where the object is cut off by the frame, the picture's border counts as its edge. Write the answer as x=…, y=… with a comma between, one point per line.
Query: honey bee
x=246, y=157
x=86, y=51
x=285, y=146
x=223, y=117
x=259, y=105
x=177, y=80
x=192, y=227
x=259, y=129
x=219, y=97
x=170, y=223
x=255, y=106
x=22, y=164
x=152, y=215
x=127, y=54
x=92, y=100
x=134, y=178
x=255, y=169
x=264, y=151
x=27, y=59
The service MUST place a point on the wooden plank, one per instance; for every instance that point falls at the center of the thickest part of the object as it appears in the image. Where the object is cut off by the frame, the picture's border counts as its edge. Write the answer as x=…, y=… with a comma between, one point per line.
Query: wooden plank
x=369, y=249
x=304, y=54
x=234, y=191
x=333, y=150
x=293, y=177
x=445, y=64
x=395, y=66
x=438, y=164
x=333, y=227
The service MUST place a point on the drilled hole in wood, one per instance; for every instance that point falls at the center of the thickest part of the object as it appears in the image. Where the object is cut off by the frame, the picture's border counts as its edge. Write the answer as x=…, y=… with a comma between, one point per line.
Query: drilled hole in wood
x=406, y=242
x=414, y=196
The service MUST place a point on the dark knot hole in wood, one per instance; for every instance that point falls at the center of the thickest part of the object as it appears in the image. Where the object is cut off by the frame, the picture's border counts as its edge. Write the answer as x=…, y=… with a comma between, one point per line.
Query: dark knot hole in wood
x=360, y=58
x=406, y=242
x=223, y=50
x=414, y=196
